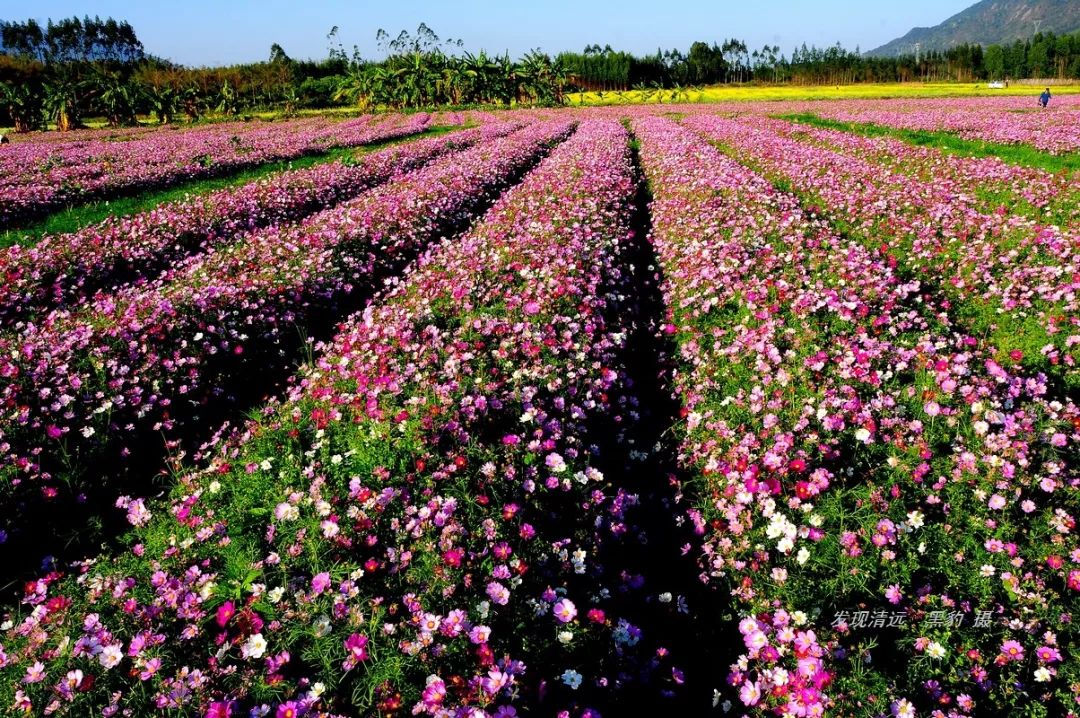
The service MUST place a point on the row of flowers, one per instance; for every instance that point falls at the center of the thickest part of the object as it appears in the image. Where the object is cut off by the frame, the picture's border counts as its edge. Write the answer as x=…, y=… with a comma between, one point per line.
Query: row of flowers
x=64, y=270
x=1005, y=120
x=892, y=510
x=38, y=178
x=86, y=388
x=988, y=183
x=413, y=528
x=1012, y=278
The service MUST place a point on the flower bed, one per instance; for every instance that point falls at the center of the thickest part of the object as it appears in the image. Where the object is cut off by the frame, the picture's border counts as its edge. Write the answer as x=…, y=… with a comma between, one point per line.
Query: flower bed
x=1012, y=120
x=892, y=510
x=408, y=530
x=88, y=387
x=66, y=269
x=985, y=183
x=37, y=178
x=1009, y=277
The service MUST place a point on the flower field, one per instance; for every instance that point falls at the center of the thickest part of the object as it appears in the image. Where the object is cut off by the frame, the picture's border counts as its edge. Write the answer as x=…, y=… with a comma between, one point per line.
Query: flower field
x=37, y=177
x=570, y=413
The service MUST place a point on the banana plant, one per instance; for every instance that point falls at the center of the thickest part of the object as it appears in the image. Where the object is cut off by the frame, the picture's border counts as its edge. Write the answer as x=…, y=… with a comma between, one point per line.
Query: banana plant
x=228, y=101
x=192, y=102
x=24, y=105
x=163, y=102
x=117, y=98
x=64, y=96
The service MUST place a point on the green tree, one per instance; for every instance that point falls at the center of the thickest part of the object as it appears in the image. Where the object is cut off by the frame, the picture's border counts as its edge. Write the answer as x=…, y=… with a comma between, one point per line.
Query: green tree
x=994, y=61
x=228, y=101
x=23, y=104
x=117, y=98
x=64, y=96
x=163, y=102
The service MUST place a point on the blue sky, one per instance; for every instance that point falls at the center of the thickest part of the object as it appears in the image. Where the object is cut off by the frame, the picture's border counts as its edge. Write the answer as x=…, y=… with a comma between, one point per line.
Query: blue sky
x=212, y=32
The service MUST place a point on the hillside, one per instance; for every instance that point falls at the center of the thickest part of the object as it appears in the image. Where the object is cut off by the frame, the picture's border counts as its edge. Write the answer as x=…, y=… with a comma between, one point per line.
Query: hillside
x=990, y=22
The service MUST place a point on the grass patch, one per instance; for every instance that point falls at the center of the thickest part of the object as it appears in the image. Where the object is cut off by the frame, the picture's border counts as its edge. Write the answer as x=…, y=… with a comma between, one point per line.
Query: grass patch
x=1024, y=155
x=77, y=216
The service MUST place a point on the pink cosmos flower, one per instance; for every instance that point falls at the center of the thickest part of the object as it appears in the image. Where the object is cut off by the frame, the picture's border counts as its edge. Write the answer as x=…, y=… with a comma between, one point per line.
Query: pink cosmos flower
x=1048, y=654
x=225, y=611
x=479, y=634
x=564, y=610
x=35, y=673
x=750, y=694
x=219, y=709
x=434, y=692
x=356, y=647
x=1012, y=650
x=288, y=710
x=498, y=593
x=150, y=668
x=320, y=583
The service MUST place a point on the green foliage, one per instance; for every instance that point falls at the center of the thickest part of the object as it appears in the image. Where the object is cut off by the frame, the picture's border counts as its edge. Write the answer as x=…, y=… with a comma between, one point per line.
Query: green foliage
x=23, y=104
x=607, y=70
x=427, y=77
x=80, y=68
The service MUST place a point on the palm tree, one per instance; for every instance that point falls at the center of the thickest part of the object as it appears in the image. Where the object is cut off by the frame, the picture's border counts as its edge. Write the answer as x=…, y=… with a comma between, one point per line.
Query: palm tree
x=382, y=86
x=414, y=80
x=560, y=77
x=540, y=80
x=453, y=81
x=507, y=80
x=484, y=72
x=645, y=92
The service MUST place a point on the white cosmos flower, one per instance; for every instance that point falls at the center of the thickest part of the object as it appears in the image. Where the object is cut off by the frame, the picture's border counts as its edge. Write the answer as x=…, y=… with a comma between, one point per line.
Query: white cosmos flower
x=110, y=656
x=254, y=646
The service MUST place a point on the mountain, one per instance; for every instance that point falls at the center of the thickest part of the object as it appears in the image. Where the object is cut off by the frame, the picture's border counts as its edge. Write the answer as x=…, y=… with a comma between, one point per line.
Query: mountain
x=990, y=22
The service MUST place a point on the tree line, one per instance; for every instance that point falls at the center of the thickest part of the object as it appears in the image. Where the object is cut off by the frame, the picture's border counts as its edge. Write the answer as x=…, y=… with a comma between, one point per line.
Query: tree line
x=1044, y=55
x=65, y=71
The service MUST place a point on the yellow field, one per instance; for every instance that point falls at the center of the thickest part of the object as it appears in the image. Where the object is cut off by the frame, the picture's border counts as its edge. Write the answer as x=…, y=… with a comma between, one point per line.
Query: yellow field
x=735, y=93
